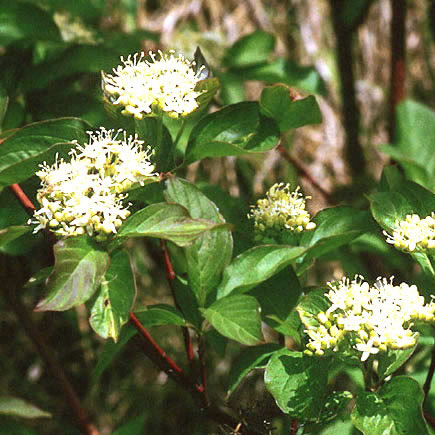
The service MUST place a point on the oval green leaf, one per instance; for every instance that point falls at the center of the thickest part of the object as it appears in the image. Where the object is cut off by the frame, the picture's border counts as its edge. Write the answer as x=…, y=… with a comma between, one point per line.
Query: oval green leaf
x=20, y=408
x=277, y=103
x=113, y=305
x=232, y=131
x=166, y=221
x=396, y=409
x=255, y=266
x=23, y=152
x=211, y=252
x=298, y=383
x=236, y=317
x=78, y=270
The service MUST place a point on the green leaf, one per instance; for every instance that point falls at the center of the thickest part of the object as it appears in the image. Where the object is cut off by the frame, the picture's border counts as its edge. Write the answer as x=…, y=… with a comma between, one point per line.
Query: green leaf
x=160, y=314
x=236, y=317
x=17, y=22
x=23, y=152
x=392, y=360
x=154, y=315
x=335, y=227
x=277, y=302
x=415, y=136
x=336, y=402
x=20, y=408
x=255, y=266
x=287, y=72
x=232, y=131
x=252, y=49
x=251, y=358
x=9, y=234
x=166, y=221
x=208, y=87
x=276, y=102
x=311, y=305
x=407, y=198
x=134, y=426
x=78, y=270
x=112, y=306
x=298, y=383
x=211, y=252
x=396, y=409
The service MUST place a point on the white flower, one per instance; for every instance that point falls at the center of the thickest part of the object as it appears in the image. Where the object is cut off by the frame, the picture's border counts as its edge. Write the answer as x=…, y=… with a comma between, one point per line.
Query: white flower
x=282, y=209
x=413, y=234
x=166, y=81
x=376, y=318
x=85, y=195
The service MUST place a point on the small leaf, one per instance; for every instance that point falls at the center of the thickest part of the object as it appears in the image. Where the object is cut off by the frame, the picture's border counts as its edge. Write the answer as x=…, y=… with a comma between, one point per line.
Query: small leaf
x=23, y=152
x=335, y=227
x=255, y=266
x=113, y=305
x=20, y=408
x=406, y=198
x=414, y=138
x=396, y=409
x=236, y=317
x=276, y=102
x=232, y=131
x=277, y=302
x=166, y=221
x=160, y=314
x=211, y=252
x=288, y=72
x=251, y=358
x=9, y=234
x=392, y=360
x=252, y=49
x=298, y=383
x=79, y=268
x=311, y=305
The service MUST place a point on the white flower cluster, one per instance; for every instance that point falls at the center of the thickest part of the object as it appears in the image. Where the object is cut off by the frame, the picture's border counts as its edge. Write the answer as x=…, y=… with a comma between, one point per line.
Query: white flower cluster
x=282, y=209
x=139, y=85
x=413, y=234
x=85, y=195
x=375, y=318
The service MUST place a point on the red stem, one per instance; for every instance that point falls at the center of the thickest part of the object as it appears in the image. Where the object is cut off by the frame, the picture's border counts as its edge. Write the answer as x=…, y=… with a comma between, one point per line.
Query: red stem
x=295, y=427
x=170, y=275
x=23, y=198
x=166, y=363
x=398, y=50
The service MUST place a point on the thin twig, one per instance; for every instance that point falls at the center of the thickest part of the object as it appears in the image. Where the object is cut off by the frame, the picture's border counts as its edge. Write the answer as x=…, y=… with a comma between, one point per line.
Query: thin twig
x=47, y=354
x=170, y=275
x=23, y=198
x=304, y=173
x=295, y=427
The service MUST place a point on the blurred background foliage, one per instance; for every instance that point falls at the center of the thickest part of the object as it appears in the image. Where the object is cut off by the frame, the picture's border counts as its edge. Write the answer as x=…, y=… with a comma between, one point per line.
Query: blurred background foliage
x=52, y=53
